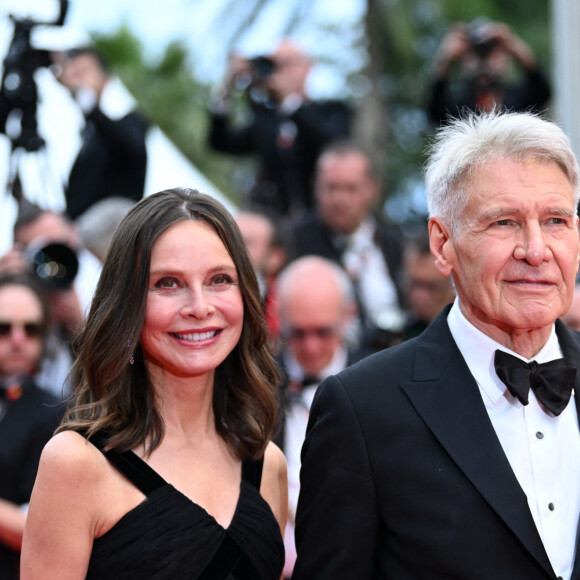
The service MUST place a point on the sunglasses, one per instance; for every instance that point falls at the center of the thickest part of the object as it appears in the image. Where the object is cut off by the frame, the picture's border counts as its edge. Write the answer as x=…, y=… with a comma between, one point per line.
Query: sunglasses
x=31, y=329
x=322, y=332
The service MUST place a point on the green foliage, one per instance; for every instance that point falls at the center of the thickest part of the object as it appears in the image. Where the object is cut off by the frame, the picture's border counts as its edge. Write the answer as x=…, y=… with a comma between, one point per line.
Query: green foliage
x=171, y=97
x=122, y=49
x=402, y=37
x=409, y=34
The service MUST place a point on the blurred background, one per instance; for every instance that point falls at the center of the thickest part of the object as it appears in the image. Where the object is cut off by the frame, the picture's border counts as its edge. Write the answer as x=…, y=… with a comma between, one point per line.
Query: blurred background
x=375, y=54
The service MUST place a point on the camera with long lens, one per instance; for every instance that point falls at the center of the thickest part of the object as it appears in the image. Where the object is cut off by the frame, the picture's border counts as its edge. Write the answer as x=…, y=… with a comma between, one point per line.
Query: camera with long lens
x=54, y=264
x=480, y=38
x=262, y=67
x=18, y=92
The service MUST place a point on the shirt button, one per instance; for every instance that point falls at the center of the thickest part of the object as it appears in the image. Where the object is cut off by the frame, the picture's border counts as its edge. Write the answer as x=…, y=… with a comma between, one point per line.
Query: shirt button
x=551, y=507
x=539, y=435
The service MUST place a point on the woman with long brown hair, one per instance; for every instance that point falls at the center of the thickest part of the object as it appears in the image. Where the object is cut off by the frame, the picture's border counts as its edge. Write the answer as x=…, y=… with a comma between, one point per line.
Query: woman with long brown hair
x=163, y=466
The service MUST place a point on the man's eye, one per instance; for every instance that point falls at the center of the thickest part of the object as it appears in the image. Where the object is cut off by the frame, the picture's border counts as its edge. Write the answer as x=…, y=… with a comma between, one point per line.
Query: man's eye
x=502, y=222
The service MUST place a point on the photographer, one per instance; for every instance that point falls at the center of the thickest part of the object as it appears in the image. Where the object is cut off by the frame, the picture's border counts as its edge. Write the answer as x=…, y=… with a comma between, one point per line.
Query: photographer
x=471, y=70
x=28, y=414
x=287, y=130
x=113, y=158
x=68, y=298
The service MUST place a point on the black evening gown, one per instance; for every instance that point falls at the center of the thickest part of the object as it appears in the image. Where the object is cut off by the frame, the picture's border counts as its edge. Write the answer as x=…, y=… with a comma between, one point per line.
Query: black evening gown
x=169, y=536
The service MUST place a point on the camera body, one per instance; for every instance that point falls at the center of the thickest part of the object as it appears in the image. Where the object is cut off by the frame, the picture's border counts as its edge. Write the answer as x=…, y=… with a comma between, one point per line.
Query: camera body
x=481, y=38
x=262, y=67
x=19, y=91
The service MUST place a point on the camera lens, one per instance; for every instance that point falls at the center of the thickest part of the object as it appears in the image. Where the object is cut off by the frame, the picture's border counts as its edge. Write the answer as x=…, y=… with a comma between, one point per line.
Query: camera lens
x=55, y=265
x=262, y=66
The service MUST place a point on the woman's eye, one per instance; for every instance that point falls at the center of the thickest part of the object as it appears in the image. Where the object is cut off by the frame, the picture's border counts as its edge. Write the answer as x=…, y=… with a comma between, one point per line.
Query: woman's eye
x=166, y=283
x=221, y=280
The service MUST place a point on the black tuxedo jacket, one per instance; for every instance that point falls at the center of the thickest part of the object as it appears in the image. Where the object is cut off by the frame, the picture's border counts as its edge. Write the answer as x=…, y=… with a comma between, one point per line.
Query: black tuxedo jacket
x=112, y=162
x=26, y=425
x=286, y=391
x=286, y=166
x=403, y=476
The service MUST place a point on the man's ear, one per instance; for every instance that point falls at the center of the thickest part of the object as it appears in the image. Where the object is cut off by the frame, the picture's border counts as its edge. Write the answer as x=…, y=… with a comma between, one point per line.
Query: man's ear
x=441, y=245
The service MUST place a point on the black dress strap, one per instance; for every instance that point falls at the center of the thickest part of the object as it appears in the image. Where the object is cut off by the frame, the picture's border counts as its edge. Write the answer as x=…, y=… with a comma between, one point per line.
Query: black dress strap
x=131, y=466
x=252, y=471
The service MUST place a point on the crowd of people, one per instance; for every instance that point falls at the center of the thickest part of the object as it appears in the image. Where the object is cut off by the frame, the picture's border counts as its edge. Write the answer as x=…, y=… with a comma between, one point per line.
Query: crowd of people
x=297, y=389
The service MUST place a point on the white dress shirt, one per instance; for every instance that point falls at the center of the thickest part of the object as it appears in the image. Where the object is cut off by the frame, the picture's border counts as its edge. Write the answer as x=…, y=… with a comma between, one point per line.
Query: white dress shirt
x=543, y=450
x=365, y=263
x=295, y=424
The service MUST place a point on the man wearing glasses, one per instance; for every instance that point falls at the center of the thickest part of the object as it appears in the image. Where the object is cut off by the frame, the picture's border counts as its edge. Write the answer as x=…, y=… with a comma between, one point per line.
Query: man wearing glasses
x=28, y=414
x=316, y=311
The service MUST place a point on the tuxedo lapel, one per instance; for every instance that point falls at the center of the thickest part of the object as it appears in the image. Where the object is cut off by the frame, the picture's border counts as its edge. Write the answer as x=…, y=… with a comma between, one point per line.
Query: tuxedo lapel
x=446, y=396
x=571, y=351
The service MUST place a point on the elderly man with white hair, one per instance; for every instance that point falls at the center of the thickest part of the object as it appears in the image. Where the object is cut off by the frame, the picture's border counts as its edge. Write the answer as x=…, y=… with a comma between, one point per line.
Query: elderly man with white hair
x=455, y=454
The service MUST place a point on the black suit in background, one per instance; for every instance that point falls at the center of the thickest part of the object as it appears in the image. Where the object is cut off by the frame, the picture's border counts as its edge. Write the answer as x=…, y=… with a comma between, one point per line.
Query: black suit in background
x=287, y=148
x=112, y=162
x=312, y=236
x=288, y=392
x=26, y=425
x=404, y=478
x=531, y=93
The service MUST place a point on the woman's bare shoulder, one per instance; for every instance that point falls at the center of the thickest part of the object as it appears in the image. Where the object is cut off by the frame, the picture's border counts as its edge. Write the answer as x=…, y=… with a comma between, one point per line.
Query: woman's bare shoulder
x=69, y=454
x=274, y=460
x=65, y=509
x=274, y=488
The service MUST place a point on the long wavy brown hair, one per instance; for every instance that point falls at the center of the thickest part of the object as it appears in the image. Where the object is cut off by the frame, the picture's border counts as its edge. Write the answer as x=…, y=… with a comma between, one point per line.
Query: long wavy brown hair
x=116, y=398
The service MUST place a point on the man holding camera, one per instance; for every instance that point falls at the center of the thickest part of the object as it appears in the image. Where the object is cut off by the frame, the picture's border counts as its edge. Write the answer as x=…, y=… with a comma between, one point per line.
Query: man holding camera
x=68, y=296
x=112, y=161
x=470, y=71
x=287, y=130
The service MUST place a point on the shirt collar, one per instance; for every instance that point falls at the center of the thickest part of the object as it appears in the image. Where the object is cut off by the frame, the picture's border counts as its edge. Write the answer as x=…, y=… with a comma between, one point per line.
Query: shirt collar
x=478, y=351
x=364, y=234
x=336, y=364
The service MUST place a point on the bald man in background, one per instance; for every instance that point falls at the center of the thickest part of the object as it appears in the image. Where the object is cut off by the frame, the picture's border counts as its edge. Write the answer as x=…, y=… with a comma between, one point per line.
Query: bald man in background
x=316, y=310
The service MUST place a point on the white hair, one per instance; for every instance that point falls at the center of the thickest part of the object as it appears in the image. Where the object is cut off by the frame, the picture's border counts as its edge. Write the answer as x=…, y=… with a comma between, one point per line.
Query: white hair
x=472, y=140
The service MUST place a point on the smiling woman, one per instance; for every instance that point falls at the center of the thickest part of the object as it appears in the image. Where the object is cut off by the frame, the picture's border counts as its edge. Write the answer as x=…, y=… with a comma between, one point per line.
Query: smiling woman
x=175, y=401
x=194, y=312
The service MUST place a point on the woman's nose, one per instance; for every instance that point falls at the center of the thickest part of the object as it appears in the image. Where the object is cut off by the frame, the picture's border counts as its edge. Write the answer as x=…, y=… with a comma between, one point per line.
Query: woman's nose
x=197, y=304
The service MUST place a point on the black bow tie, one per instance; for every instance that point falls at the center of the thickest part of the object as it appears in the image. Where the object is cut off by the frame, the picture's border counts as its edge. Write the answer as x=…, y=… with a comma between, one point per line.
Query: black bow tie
x=310, y=380
x=552, y=382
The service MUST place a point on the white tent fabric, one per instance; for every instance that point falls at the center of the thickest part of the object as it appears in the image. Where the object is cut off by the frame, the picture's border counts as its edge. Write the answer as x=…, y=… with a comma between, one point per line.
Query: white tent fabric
x=60, y=123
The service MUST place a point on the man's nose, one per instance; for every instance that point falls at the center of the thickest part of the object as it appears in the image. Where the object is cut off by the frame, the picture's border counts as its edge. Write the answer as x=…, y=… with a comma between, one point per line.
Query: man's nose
x=18, y=334
x=533, y=246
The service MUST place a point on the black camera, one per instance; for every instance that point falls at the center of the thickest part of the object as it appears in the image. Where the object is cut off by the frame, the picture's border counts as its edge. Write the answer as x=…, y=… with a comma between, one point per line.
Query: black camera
x=54, y=264
x=19, y=91
x=262, y=67
x=481, y=39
